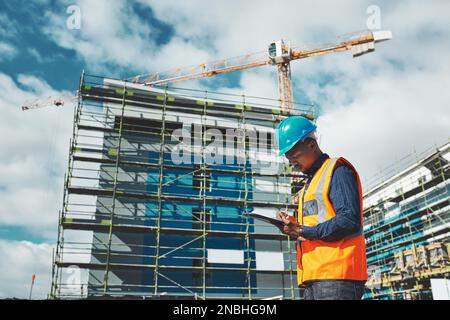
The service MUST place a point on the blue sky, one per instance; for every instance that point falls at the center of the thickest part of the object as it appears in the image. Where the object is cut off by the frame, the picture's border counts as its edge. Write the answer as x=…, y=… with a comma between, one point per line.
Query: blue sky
x=37, y=54
x=373, y=110
x=40, y=56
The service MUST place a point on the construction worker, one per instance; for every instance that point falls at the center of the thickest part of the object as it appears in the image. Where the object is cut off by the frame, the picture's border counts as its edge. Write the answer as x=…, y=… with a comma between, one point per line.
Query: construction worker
x=331, y=252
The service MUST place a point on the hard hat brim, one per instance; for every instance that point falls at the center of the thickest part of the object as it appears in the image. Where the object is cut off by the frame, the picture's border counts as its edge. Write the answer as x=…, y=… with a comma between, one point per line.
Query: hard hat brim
x=292, y=144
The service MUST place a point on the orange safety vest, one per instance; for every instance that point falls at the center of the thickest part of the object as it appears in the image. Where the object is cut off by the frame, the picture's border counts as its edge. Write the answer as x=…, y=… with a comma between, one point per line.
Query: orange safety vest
x=317, y=259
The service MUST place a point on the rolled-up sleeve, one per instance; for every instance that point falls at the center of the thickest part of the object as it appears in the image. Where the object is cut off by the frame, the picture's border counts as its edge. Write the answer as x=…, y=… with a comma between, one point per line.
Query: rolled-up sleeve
x=344, y=196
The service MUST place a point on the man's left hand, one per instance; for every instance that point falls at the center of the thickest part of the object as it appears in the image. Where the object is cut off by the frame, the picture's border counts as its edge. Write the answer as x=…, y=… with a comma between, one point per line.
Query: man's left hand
x=294, y=230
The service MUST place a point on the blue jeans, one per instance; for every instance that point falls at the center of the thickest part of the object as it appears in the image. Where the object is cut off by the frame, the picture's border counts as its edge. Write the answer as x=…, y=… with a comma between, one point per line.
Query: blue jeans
x=334, y=290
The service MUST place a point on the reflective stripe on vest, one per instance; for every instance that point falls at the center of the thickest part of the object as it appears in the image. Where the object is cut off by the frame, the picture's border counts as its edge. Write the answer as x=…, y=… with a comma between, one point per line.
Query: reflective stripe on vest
x=317, y=259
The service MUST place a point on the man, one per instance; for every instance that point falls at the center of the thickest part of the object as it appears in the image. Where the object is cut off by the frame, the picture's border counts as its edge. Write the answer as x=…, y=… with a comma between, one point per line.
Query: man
x=331, y=252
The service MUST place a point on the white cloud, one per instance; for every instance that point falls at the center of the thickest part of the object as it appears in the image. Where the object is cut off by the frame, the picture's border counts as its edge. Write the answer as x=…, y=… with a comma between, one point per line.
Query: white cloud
x=7, y=51
x=35, y=54
x=8, y=27
x=388, y=118
x=20, y=260
x=239, y=27
x=33, y=155
x=111, y=33
x=108, y=33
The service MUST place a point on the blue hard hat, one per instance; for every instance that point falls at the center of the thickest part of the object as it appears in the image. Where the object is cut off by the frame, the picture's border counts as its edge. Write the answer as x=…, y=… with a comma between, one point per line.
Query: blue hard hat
x=291, y=130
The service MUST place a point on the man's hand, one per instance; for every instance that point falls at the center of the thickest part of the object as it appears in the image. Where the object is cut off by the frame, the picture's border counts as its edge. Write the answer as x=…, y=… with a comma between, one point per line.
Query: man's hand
x=291, y=228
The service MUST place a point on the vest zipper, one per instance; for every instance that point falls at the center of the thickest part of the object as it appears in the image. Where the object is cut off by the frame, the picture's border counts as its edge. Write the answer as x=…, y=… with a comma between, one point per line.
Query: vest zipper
x=301, y=249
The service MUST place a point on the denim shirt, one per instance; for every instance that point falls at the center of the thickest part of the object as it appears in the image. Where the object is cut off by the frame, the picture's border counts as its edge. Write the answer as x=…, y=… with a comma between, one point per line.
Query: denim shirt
x=344, y=196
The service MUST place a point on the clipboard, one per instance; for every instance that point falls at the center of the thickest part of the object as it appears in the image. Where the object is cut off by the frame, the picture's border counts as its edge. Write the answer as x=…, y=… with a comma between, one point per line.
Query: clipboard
x=274, y=221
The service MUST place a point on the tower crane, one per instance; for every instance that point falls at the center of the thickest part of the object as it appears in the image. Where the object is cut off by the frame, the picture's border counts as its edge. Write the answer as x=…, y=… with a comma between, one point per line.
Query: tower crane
x=279, y=54
x=49, y=101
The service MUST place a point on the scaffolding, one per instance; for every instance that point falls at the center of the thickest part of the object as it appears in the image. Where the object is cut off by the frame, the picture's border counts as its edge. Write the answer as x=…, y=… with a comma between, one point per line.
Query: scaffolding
x=407, y=226
x=139, y=222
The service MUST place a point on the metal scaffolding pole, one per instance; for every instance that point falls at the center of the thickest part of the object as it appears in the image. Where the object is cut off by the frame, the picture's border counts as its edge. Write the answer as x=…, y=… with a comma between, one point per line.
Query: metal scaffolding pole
x=114, y=195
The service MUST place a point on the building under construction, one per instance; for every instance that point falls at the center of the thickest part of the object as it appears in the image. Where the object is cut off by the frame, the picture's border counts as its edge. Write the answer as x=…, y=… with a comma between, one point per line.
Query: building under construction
x=407, y=229
x=158, y=185
x=159, y=181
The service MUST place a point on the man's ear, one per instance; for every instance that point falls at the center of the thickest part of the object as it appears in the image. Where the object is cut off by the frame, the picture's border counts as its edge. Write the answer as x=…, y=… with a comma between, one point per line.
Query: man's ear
x=312, y=144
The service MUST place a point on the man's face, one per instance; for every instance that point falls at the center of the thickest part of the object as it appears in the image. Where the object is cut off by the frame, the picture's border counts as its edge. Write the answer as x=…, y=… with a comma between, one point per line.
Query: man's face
x=301, y=156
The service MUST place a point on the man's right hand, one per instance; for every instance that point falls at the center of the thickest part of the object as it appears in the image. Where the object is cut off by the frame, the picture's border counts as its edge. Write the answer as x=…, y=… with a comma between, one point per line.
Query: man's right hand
x=283, y=216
